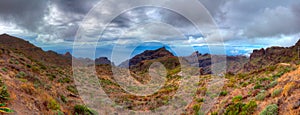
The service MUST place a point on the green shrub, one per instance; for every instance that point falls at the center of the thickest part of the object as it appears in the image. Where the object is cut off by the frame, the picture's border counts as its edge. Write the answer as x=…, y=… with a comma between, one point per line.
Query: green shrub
x=272, y=84
x=72, y=89
x=84, y=110
x=262, y=79
x=21, y=74
x=237, y=98
x=64, y=80
x=270, y=110
x=4, y=109
x=35, y=69
x=257, y=86
x=27, y=65
x=4, y=69
x=214, y=113
x=63, y=99
x=261, y=96
x=223, y=93
x=241, y=76
x=239, y=108
x=53, y=105
x=276, y=92
x=51, y=76
x=199, y=100
x=4, y=95
x=196, y=108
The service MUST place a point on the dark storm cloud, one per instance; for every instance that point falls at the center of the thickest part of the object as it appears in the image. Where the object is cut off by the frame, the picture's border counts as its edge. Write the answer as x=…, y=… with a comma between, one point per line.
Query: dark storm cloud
x=253, y=19
x=75, y=6
x=27, y=14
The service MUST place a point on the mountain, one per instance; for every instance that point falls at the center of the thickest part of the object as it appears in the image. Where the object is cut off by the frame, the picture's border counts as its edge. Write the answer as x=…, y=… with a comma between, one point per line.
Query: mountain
x=147, y=55
x=103, y=60
x=33, y=81
x=35, y=53
x=233, y=63
x=271, y=56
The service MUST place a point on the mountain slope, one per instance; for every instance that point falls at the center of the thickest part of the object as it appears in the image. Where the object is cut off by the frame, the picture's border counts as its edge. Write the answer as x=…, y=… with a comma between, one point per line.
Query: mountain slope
x=272, y=56
x=27, y=49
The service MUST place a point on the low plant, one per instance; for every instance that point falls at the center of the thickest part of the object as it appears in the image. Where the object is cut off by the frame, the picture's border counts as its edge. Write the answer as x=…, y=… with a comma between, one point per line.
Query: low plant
x=272, y=84
x=64, y=80
x=83, y=110
x=53, y=105
x=260, y=96
x=4, y=95
x=4, y=69
x=21, y=74
x=63, y=99
x=223, y=93
x=72, y=89
x=276, y=92
x=196, y=107
x=239, y=108
x=237, y=98
x=4, y=109
x=257, y=86
x=270, y=110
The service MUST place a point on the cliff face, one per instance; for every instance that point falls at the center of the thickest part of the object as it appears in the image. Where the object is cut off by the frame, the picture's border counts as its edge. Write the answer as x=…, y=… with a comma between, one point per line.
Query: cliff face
x=273, y=55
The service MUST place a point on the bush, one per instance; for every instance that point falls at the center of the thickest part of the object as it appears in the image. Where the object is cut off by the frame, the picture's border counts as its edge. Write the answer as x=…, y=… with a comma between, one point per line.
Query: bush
x=214, y=113
x=223, y=93
x=276, y=92
x=272, y=84
x=239, y=108
x=53, y=105
x=83, y=110
x=21, y=74
x=4, y=109
x=237, y=98
x=64, y=80
x=4, y=69
x=4, y=95
x=72, y=89
x=270, y=110
x=257, y=86
x=196, y=107
x=63, y=99
x=51, y=76
x=199, y=100
x=261, y=96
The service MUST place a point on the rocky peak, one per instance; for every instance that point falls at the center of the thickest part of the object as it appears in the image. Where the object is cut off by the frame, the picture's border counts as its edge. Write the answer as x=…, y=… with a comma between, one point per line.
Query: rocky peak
x=102, y=60
x=258, y=53
x=147, y=55
x=68, y=54
x=196, y=53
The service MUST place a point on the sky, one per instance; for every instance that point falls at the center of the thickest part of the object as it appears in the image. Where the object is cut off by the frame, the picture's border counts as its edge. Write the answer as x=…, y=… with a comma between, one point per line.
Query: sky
x=244, y=25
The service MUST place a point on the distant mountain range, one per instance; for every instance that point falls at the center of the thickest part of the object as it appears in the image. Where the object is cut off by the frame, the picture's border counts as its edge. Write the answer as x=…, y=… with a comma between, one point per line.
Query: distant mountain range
x=258, y=59
x=33, y=81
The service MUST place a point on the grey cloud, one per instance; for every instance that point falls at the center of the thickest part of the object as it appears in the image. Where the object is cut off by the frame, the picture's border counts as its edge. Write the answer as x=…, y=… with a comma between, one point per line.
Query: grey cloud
x=27, y=14
x=75, y=6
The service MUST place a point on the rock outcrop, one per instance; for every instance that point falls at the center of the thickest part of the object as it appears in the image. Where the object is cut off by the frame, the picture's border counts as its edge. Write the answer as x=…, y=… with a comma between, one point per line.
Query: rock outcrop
x=273, y=55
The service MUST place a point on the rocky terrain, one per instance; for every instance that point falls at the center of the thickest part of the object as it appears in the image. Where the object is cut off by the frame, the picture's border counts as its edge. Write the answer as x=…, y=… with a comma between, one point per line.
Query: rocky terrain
x=272, y=56
x=34, y=81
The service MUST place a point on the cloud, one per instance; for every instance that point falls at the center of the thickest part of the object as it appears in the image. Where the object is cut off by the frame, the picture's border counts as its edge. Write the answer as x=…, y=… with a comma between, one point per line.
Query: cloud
x=254, y=21
x=26, y=14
